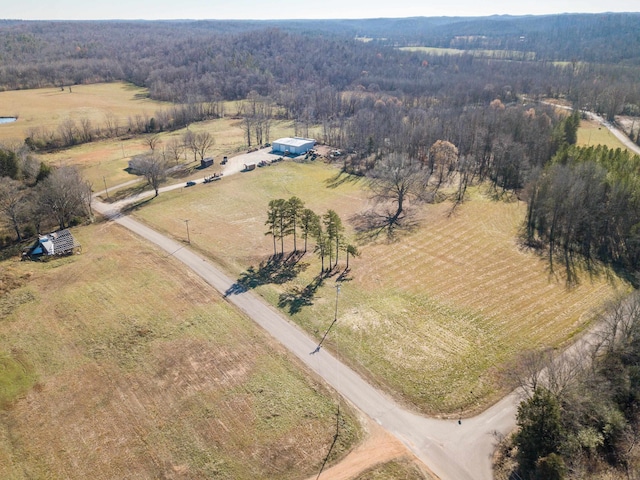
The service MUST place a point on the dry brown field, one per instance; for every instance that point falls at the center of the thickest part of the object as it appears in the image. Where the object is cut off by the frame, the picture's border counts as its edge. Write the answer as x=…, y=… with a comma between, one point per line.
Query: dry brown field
x=49, y=107
x=435, y=317
x=129, y=366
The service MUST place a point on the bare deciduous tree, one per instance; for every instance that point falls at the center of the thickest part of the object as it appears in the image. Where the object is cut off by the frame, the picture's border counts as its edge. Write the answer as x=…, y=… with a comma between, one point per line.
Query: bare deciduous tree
x=12, y=205
x=153, y=168
x=152, y=141
x=396, y=179
x=65, y=195
x=175, y=149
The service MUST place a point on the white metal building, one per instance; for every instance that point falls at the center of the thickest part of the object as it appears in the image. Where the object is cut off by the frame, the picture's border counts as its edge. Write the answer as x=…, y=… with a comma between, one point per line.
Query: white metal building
x=293, y=146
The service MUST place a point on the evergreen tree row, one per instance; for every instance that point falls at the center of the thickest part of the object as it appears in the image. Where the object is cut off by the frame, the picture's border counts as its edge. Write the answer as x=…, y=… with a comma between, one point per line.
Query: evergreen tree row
x=290, y=218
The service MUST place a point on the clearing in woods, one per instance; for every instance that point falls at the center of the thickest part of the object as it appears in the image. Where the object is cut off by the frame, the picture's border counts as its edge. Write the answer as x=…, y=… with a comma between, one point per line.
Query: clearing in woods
x=435, y=317
x=105, y=161
x=130, y=366
x=50, y=107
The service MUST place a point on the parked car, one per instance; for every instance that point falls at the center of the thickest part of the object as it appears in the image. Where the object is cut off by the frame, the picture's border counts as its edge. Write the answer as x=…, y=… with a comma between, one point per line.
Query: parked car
x=190, y=183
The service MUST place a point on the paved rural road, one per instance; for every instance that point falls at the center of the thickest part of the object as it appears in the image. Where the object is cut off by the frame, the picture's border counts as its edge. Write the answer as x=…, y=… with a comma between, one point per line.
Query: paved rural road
x=452, y=450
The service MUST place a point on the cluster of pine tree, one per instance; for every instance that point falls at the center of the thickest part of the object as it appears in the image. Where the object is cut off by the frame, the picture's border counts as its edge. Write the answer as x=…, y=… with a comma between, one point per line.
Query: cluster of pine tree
x=290, y=217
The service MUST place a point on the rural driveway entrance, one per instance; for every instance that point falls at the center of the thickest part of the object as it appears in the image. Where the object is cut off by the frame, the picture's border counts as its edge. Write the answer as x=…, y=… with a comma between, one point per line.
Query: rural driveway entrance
x=452, y=450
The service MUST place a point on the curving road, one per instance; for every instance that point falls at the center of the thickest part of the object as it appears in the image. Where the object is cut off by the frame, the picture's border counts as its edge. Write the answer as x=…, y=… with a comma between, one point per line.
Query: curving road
x=452, y=450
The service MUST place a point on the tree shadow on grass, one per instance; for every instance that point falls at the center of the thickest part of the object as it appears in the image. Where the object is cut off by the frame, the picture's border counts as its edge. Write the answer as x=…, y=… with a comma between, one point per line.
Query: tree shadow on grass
x=277, y=269
x=123, y=193
x=136, y=206
x=341, y=178
x=296, y=297
x=371, y=225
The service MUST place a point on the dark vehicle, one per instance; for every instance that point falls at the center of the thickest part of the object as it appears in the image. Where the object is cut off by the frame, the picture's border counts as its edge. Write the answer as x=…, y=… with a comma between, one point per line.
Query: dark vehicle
x=224, y=161
x=190, y=183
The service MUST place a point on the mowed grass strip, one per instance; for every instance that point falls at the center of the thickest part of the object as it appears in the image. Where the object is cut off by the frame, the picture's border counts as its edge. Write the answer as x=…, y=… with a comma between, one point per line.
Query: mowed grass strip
x=435, y=317
x=144, y=372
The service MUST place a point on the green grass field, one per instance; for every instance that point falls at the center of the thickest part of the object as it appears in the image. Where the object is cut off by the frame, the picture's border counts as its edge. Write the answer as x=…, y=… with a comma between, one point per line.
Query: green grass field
x=118, y=363
x=592, y=133
x=436, y=318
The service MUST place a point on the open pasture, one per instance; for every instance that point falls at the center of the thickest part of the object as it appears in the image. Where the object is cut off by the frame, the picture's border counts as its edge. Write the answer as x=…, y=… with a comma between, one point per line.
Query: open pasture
x=50, y=107
x=435, y=317
x=105, y=162
x=141, y=370
x=592, y=133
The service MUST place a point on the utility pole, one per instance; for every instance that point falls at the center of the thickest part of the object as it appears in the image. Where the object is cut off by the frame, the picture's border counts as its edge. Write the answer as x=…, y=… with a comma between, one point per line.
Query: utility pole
x=188, y=238
x=335, y=319
x=105, y=187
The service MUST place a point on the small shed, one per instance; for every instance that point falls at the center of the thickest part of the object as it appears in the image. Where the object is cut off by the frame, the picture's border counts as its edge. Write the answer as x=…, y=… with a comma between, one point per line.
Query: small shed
x=56, y=243
x=293, y=146
x=206, y=162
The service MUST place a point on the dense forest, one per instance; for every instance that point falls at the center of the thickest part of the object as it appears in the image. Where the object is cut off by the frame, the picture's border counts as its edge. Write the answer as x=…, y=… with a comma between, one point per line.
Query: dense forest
x=591, y=59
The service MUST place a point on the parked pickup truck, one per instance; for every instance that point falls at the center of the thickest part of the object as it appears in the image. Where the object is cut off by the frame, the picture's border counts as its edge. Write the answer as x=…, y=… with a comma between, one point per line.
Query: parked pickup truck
x=213, y=178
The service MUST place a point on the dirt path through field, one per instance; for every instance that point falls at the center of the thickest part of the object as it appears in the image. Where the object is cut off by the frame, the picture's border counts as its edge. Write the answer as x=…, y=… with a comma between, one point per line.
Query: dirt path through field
x=379, y=447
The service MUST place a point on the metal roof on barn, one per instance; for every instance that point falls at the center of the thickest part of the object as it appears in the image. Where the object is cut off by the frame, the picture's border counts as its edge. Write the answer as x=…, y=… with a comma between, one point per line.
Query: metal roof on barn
x=56, y=243
x=294, y=142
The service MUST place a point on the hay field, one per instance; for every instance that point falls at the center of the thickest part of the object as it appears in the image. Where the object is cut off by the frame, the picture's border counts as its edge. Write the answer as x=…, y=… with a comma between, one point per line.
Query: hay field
x=106, y=161
x=132, y=367
x=435, y=317
x=593, y=133
x=49, y=107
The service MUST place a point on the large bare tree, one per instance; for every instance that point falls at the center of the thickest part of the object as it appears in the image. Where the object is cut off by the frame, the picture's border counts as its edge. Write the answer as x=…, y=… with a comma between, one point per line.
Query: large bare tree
x=153, y=168
x=397, y=179
x=65, y=194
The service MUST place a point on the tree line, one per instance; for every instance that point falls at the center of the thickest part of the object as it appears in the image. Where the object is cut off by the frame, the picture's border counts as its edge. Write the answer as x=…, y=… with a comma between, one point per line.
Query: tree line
x=583, y=207
x=70, y=132
x=35, y=197
x=580, y=418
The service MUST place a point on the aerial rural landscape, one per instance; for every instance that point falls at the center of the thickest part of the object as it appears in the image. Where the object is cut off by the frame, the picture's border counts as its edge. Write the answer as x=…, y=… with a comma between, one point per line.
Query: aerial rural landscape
x=386, y=248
